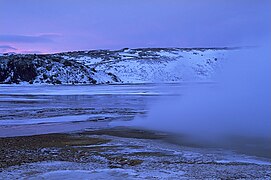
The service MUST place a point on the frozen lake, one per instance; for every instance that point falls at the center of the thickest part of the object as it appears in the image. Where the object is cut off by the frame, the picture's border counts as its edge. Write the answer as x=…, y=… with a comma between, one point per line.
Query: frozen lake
x=28, y=110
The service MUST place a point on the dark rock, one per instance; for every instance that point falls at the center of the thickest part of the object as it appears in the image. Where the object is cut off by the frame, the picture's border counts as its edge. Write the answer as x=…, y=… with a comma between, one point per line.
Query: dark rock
x=114, y=77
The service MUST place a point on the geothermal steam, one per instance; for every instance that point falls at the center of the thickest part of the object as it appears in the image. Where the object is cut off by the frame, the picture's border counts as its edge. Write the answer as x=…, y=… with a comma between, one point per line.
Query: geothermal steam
x=238, y=104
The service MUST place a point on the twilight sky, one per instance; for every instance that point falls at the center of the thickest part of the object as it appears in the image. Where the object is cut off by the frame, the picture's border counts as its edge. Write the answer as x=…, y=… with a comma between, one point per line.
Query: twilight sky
x=47, y=26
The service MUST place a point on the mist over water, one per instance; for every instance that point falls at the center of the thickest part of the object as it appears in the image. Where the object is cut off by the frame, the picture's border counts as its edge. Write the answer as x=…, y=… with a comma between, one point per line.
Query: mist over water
x=238, y=104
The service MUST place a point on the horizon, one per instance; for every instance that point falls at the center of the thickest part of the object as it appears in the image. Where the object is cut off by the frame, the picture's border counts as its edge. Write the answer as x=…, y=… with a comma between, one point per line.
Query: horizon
x=66, y=25
x=122, y=49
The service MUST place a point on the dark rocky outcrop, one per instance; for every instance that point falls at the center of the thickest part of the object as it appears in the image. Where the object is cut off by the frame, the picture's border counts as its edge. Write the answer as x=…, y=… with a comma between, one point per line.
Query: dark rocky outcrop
x=49, y=69
x=16, y=69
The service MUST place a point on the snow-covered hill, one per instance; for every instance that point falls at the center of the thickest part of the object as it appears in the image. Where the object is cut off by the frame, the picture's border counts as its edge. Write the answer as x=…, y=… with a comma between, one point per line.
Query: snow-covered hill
x=120, y=66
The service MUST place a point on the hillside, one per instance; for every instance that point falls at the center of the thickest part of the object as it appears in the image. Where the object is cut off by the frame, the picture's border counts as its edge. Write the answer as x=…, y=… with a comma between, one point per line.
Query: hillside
x=104, y=66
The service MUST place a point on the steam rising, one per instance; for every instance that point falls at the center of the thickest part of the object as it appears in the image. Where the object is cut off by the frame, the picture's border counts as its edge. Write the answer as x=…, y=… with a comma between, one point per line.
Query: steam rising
x=238, y=104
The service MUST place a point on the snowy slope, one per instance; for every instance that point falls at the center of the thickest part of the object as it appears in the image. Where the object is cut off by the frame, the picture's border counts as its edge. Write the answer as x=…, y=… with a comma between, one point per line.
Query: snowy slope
x=167, y=65
x=120, y=66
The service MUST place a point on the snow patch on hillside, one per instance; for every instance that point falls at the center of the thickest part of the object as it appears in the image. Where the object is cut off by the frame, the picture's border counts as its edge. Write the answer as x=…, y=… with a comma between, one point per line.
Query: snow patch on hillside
x=169, y=66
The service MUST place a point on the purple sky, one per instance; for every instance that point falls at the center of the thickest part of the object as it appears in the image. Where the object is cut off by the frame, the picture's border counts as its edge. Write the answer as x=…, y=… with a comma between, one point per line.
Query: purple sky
x=64, y=25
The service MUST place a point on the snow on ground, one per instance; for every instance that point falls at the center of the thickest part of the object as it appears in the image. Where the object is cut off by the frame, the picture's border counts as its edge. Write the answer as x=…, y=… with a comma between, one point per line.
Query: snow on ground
x=166, y=66
x=71, y=171
x=122, y=66
x=84, y=59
